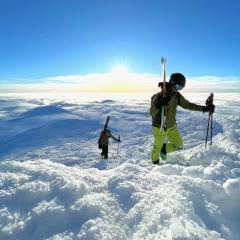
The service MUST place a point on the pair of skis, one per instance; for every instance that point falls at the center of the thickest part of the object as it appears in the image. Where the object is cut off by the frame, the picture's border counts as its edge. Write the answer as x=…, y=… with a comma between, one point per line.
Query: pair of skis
x=106, y=124
x=164, y=95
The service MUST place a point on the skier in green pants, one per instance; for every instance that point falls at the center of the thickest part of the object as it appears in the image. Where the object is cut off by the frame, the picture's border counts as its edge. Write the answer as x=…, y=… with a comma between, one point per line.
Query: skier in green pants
x=169, y=129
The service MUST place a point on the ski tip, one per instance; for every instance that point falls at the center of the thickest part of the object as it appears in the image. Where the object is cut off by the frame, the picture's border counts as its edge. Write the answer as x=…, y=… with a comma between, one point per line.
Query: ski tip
x=163, y=60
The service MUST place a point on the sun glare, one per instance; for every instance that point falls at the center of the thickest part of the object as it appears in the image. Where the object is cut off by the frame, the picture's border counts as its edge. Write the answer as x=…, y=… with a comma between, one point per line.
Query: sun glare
x=119, y=79
x=120, y=69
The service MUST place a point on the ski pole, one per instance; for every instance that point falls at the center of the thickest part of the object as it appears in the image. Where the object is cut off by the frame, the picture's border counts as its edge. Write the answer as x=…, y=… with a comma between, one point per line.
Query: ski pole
x=118, y=144
x=207, y=130
x=211, y=127
x=209, y=102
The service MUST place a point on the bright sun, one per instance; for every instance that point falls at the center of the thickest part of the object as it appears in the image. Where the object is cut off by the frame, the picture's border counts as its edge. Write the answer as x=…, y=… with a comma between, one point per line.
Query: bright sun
x=119, y=78
x=120, y=69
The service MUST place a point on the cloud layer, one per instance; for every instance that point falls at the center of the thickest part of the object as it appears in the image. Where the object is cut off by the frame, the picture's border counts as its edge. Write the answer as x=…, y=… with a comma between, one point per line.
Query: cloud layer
x=115, y=82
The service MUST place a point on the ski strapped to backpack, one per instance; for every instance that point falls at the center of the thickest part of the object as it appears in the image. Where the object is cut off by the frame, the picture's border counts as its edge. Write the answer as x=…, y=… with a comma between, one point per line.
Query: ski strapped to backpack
x=164, y=93
x=106, y=124
x=209, y=102
x=103, y=134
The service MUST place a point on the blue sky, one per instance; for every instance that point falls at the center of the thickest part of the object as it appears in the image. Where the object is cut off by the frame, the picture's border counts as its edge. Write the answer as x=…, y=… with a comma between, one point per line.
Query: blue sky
x=42, y=38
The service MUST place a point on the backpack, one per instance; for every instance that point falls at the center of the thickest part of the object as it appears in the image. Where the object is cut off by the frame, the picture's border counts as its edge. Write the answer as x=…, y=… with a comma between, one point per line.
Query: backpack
x=153, y=110
x=102, y=139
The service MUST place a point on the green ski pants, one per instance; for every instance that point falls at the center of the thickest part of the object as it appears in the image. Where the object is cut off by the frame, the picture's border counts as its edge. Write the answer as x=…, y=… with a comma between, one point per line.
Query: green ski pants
x=175, y=141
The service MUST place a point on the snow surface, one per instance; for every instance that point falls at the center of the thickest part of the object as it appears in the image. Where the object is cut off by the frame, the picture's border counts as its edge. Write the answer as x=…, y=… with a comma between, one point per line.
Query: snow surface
x=54, y=185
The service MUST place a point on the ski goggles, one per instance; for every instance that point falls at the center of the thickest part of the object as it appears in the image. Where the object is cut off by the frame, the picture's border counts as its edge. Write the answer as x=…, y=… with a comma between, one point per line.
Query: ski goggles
x=179, y=87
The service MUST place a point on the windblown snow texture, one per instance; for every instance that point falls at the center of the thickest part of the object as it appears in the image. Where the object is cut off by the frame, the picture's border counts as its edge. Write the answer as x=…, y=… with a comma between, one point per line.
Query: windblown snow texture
x=53, y=184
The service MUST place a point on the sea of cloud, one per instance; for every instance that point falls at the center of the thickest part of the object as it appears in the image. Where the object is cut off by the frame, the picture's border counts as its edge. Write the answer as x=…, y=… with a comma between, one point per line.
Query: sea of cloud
x=117, y=81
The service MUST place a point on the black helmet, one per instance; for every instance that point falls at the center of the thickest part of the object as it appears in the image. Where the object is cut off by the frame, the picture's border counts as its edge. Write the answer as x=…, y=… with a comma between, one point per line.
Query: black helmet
x=178, y=80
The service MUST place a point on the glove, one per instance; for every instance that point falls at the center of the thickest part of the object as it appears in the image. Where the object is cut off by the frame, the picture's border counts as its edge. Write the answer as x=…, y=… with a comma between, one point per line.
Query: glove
x=209, y=108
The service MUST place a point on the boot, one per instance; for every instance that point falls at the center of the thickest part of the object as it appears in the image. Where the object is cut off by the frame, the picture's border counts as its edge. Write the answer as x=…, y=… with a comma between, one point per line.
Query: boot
x=163, y=152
